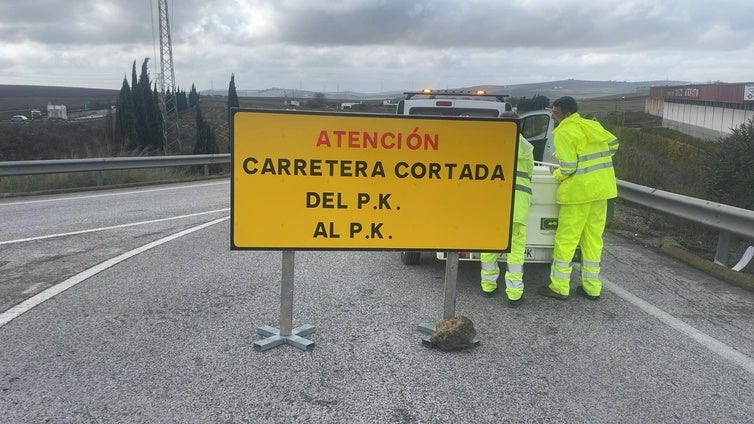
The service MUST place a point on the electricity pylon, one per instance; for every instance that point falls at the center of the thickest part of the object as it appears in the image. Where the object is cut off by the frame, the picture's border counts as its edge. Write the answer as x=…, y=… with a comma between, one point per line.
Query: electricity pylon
x=168, y=104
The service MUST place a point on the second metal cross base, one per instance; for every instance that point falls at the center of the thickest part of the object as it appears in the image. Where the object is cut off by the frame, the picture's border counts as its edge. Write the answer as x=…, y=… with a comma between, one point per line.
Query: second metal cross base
x=274, y=338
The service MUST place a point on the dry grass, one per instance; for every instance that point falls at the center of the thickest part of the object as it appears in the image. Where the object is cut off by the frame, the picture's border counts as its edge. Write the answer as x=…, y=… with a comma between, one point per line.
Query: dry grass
x=53, y=183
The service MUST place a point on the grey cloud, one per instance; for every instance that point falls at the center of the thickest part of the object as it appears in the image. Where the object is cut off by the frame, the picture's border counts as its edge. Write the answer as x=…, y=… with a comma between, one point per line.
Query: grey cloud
x=494, y=24
x=364, y=43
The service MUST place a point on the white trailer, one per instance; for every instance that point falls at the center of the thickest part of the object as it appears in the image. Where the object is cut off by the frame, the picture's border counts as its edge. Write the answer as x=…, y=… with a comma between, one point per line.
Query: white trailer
x=56, y=112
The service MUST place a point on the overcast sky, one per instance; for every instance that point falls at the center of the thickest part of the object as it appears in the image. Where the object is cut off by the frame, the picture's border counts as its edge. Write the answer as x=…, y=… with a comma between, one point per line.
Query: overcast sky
x=377, y=45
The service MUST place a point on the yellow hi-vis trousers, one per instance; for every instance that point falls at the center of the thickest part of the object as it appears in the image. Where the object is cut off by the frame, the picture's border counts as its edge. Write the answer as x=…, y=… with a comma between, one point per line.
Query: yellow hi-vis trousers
x=579, y=225
x=514, y=275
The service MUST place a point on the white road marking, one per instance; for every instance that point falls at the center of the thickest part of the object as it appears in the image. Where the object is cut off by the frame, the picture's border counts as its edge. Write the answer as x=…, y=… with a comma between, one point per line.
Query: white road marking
x=711, y=343
x=132, y=224
x=53, y=291
x=124, y=193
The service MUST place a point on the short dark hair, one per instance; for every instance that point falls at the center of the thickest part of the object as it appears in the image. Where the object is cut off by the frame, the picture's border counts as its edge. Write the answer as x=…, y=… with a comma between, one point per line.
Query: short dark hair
x=567, y=104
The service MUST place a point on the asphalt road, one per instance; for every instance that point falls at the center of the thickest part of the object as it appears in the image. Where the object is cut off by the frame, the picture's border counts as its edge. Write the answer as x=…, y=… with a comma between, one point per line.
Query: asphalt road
x=161, y=329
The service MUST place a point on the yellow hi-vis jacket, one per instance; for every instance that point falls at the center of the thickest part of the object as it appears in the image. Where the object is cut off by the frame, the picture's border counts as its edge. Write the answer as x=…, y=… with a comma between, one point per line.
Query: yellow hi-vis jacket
x=524, y=171
x=584, y=151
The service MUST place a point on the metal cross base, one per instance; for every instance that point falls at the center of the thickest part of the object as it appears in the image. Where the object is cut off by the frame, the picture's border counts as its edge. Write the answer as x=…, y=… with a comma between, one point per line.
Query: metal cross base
x=429, y=329
x=275, y=339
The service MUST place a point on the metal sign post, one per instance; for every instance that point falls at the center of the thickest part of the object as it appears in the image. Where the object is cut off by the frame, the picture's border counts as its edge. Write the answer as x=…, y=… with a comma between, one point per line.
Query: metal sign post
x=285, y=335
x=449, y=304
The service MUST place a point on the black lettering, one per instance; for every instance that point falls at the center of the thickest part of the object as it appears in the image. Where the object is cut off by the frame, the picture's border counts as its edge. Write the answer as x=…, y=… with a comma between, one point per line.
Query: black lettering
x=376, y=230
x=321, y=231
x=466, y=173
x=355, y=228
x=312, y=201
x=481, y=171
x=251, y=170
x=378, y=170
x=361, y=200
x=383, y=203
x=497, y=173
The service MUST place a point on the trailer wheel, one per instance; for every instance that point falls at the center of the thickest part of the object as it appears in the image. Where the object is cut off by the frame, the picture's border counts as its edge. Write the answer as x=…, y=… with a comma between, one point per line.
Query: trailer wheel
x=410, y=258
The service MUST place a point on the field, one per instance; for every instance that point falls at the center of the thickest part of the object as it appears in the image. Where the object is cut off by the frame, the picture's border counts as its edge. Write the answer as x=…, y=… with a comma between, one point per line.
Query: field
x=42, y=139
x=20, y=99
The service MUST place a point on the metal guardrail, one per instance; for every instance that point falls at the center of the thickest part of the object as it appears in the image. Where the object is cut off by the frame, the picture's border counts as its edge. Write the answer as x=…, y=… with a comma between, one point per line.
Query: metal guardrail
x=98, y=165
x=729, y=220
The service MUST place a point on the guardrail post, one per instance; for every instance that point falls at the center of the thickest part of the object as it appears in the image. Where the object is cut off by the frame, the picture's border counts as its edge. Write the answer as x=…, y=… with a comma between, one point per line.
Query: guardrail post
x=723, y=246
x=100, y=178
x=206, y=170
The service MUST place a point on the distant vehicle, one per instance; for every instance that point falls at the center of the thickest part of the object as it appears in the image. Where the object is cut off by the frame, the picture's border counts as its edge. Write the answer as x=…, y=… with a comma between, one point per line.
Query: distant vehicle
x=18, y=119
x=536, y=126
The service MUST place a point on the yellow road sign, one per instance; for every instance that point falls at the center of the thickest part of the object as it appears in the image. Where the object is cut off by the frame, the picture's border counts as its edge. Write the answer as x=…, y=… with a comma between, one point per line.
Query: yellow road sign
x=314, y=181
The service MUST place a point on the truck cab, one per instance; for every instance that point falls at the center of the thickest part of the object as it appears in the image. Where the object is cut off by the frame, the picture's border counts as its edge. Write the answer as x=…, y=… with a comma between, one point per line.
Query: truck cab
x=536, y=127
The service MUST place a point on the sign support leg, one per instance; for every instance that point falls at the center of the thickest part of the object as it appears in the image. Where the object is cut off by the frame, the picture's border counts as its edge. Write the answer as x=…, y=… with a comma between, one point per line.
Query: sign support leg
x=449, y=303
x=286, y=334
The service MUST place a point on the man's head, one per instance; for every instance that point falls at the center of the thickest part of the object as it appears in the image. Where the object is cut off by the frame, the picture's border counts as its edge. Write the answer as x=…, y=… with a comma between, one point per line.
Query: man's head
x=564, y=107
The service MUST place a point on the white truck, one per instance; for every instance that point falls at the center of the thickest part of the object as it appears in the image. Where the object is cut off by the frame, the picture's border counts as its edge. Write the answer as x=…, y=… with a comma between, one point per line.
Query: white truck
x=536, y=126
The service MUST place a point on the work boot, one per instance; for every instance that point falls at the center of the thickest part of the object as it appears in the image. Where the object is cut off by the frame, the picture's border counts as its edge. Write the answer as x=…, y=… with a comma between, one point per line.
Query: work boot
x=580, y=290
x=489, y=293
x=547, y=292
x=515, y=303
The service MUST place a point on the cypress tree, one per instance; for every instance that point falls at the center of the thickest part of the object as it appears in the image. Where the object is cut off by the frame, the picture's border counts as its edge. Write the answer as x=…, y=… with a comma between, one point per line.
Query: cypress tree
x=125, y=131
x=232, y=96
x=140, y=118
x=193, y=98
x=134, y=81
x=157, y=136
x=206, y=141
x=180, y=101
x=144, y=102
x=139, y=122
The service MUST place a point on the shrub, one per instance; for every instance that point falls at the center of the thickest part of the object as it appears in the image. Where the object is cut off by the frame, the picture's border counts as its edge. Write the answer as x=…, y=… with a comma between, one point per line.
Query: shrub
x=660, y=162
x=729, y=169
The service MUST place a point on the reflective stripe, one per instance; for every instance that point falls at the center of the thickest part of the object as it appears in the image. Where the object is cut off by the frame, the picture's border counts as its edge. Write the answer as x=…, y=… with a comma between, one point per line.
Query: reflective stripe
x=585, y=274
x=590, y=263
x=567, y=172
x=569, y=164
x=594, y=168
x=560, y=275
x=613, y=143
x=523, y=188
x=489, y=266
x=515, y=268
x=514, y=284
x=561, y=264
x=594, y=156
x=523, y=174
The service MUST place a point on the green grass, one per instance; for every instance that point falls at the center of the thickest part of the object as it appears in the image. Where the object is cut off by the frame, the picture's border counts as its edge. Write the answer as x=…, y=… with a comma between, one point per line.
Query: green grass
x=610, y=106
